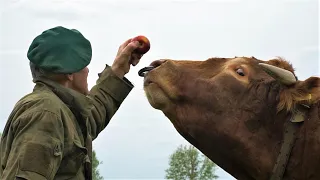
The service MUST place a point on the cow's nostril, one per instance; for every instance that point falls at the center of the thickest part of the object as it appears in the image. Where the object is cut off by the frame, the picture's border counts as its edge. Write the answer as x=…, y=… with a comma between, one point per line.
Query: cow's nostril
x=157, y=63
x=142, y=72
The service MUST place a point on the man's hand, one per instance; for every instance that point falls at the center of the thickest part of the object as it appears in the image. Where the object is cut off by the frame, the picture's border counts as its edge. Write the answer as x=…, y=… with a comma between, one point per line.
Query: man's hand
x=125, y=57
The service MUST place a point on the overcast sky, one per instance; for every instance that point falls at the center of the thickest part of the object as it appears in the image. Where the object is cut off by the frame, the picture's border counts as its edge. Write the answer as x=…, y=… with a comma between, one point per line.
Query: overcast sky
x=139, y=139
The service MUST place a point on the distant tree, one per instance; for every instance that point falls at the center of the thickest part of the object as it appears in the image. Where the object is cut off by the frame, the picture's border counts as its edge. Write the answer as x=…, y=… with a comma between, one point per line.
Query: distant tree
x=95, y=163
x=188, y=163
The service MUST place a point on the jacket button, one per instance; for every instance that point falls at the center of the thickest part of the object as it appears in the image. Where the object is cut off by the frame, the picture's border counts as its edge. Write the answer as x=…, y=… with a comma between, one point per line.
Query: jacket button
x=57, y=151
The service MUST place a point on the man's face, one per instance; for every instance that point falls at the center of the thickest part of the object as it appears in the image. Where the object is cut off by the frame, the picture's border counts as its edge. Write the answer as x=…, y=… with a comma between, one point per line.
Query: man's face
x=79, y=81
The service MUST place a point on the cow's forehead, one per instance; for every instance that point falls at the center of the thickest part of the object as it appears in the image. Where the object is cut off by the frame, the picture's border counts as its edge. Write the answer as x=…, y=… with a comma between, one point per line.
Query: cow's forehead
x=241, y=60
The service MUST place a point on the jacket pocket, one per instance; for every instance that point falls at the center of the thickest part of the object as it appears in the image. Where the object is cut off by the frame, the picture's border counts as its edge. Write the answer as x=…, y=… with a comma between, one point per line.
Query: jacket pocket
x=39, y=159
x=73, y=161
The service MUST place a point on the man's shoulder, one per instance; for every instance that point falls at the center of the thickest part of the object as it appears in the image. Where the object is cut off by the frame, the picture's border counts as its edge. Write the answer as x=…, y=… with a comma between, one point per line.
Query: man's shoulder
x=39, y=107
x=40, y=101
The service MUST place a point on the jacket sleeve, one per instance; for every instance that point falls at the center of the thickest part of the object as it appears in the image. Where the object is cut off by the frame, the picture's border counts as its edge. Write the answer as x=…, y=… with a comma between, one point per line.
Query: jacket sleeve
x=107, y=96
x=37, y=145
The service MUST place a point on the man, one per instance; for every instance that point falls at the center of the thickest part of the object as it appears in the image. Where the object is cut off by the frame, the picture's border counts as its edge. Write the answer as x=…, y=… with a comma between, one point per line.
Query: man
x=50, y=131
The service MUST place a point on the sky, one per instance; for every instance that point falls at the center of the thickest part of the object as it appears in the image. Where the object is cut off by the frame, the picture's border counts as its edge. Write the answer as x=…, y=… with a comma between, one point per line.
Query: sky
x=139, y=139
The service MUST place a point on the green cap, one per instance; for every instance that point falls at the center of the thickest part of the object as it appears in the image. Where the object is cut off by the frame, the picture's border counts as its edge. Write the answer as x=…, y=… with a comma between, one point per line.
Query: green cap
x=60, y=50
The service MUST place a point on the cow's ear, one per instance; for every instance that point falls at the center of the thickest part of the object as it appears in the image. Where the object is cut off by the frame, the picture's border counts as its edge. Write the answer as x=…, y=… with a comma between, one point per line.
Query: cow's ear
x=302, y=92
x=294, y=92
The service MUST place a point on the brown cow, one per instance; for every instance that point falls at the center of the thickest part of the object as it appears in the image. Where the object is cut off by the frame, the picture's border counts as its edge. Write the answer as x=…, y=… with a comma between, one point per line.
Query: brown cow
x=235, y=112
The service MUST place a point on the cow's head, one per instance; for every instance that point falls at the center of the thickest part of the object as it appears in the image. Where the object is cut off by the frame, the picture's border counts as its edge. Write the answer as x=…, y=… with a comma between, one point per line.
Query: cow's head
x=230, y=108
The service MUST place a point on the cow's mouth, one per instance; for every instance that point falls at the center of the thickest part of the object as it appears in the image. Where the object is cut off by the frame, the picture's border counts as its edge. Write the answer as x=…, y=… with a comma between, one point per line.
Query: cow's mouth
x=142, y=72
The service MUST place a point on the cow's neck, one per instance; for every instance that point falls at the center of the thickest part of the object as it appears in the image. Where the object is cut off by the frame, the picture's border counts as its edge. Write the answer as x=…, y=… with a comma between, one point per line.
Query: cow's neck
x=244, y=154
x=260, y=148
x=304, y=160
x=257, y=157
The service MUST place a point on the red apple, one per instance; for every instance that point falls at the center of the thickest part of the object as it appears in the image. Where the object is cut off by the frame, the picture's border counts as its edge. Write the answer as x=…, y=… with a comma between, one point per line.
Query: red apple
x=144, y=44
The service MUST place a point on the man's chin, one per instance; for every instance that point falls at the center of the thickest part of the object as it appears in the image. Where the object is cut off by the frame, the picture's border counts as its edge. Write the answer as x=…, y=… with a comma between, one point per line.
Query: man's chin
x=85, y=92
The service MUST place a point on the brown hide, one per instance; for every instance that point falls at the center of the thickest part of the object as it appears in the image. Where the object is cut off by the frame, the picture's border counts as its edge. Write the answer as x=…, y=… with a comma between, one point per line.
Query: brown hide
x=234, y=112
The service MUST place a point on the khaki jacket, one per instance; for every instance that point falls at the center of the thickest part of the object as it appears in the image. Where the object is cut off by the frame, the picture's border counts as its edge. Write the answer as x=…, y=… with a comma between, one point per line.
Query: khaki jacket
x=49, y=133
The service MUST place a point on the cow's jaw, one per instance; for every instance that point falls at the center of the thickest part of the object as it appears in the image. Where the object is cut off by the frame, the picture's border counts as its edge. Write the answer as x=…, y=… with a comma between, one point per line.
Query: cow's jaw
x=157, y=94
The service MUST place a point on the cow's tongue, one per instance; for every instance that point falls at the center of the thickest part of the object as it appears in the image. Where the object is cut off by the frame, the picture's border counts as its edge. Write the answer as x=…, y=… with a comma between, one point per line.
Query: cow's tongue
x=142, y=72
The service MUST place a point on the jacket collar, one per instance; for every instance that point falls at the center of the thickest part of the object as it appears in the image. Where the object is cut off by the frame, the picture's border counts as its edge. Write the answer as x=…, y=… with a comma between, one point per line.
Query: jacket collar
x=77, y=102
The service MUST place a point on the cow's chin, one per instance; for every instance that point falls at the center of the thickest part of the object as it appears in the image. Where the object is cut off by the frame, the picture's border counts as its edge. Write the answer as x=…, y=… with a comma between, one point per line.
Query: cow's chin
x=156, y=96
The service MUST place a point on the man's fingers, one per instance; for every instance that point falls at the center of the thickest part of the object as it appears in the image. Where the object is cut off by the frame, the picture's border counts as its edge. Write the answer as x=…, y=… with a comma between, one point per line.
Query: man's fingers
x=138, y=56
x=123, y=45
x=130, y=47
x=135, y=58
x=135, y=62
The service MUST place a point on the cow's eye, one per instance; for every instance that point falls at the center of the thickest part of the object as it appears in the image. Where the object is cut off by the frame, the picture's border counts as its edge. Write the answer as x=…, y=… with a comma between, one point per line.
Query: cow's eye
x=240, y=72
